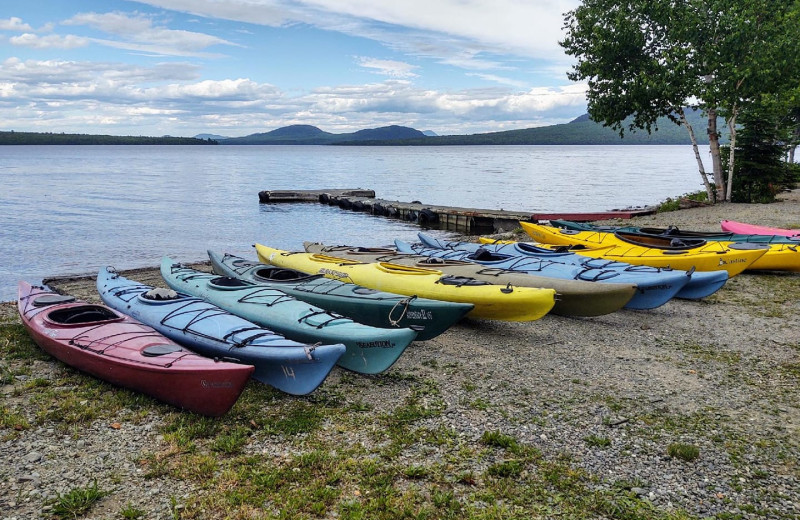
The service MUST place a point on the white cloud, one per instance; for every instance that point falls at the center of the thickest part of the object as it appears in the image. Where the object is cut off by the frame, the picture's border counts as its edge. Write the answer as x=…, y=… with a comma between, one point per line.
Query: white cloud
x=525, y=27
x=395, y=69
x=51, y=41
x=465, y=33
x=14, y=24
x=138, y=32
x=74, y=96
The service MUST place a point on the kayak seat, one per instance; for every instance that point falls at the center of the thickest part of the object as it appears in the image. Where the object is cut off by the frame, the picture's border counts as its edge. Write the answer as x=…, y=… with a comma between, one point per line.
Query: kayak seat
x=159, y=293
x=484, y=255
x=227, y=281
x=82, y=314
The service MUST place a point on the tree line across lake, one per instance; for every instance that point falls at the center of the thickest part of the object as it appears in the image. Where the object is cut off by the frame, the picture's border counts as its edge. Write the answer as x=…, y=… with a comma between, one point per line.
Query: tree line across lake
x=47, y=138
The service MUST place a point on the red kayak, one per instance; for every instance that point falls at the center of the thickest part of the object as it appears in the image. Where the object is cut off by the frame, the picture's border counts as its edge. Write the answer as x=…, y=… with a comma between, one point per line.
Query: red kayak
x=118, y=349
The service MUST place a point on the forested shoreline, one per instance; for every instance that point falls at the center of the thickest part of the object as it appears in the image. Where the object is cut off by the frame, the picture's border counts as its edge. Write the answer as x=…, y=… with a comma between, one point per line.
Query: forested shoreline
x=46, y=138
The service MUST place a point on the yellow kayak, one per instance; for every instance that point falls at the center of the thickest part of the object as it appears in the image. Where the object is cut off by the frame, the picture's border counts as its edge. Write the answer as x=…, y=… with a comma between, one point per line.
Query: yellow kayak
x=733, y=257
x=493, y=302
x=779, y=257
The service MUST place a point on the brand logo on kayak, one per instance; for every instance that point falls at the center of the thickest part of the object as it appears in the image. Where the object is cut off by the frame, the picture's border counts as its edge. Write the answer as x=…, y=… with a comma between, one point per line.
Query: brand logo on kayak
x=331, y=272
x=215, y=384
x=732, y=261
x=420, y=314
x=374, y=344
x=662, y=287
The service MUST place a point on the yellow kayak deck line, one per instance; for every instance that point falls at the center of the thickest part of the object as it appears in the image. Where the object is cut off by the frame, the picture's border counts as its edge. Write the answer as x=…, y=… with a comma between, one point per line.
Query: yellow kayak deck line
x=494, y=302
x=711, y=256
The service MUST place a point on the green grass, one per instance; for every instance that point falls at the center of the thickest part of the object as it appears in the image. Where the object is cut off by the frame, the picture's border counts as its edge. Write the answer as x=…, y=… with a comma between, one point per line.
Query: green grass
x=597, y=442
x=685, y=452
x=675, y=204
x=78, y=501
x=129, y=512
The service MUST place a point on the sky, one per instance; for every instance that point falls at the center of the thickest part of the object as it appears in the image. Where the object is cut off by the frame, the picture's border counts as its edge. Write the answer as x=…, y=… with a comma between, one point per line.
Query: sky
x=238, y=67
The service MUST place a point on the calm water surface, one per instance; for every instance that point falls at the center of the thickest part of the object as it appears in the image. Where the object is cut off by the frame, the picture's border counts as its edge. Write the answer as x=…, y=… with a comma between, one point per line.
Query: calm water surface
x=73, y=209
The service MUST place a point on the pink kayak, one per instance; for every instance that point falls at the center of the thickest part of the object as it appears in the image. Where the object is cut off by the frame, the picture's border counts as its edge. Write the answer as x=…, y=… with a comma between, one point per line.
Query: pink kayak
x=124, y=352
x=751, y=229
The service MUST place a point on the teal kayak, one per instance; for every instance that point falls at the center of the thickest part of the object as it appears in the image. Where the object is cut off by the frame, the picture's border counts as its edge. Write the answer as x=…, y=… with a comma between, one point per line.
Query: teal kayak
x=369, y=306
x=369, y=350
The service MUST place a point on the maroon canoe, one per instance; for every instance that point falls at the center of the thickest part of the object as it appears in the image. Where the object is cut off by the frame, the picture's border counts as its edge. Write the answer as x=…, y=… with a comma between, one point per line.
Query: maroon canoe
x=116, y=348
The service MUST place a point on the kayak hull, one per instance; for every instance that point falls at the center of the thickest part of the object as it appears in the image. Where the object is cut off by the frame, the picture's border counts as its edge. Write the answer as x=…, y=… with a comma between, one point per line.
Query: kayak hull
x=654, y=287
x=369, y=350
x=710, y=256
x=740, y=227
x=699, y=285
x=289, y=366
x=124, y=352
x=575, y=297
x=783, y=254
x=490, y=301
x=429, y=318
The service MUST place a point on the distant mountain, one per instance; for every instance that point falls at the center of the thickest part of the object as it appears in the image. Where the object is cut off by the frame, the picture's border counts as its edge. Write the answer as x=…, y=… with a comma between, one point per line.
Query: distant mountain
x=430, y=133
x=213, y=137
x=307, y=134
x=580, y=131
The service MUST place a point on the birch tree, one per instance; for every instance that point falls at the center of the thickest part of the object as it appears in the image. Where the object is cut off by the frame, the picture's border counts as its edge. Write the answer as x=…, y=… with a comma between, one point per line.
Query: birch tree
x=645, y=59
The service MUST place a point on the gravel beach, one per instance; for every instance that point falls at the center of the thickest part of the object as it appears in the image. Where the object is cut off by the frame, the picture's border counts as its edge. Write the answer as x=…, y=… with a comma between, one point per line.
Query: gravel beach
x=606, y=395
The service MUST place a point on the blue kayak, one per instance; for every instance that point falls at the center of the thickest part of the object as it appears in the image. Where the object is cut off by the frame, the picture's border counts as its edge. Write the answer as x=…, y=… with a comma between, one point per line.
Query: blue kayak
x=289, y=366
x=427, y=317
x=652, y=289
x=700, y=285
x=370, y=350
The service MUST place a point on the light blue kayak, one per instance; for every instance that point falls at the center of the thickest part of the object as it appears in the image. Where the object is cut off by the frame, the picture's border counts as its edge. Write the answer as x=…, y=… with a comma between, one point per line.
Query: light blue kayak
x=427, y=317
x=289, y=366
x=700, y=285
x=370, y=350
x=652, y=289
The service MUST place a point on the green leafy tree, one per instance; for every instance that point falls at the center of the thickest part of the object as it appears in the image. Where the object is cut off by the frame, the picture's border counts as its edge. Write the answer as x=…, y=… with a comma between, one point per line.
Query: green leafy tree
x=645, y=59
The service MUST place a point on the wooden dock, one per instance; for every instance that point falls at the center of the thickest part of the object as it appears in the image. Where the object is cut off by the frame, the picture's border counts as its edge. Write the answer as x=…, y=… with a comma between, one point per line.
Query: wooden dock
x=310, y=195
x=463, y=220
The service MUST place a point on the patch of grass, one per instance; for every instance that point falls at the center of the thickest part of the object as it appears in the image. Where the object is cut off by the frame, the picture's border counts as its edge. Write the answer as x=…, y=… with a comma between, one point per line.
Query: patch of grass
x=130, y=512
x=685, y=452
x=597, y=442
x=231, y=442
x=675, y=204
x=78, y=501
x=15, y=343
x=505, y=469
x=12, y=420
x=303, y=418
x=415, y=472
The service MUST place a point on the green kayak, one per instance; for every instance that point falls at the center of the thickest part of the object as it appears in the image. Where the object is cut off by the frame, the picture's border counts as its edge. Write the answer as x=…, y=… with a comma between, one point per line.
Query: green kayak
x=377, y=308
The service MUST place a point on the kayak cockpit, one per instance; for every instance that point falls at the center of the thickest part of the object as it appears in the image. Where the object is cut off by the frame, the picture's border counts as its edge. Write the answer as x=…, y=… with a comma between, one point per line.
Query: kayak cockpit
x=83, y=314
x=281, y=274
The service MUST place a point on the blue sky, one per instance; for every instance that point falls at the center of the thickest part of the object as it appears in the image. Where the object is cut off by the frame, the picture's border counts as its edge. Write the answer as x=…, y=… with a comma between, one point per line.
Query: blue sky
x=236, y=67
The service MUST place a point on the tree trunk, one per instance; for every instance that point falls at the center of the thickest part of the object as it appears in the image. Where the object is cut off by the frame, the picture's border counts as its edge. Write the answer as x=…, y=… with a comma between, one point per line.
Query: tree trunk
x=703, y=174
x=716, y=161
x=732, y=128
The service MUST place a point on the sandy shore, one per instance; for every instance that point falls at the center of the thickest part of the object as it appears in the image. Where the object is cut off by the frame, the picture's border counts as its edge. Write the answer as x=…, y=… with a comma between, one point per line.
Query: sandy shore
x=720, y=374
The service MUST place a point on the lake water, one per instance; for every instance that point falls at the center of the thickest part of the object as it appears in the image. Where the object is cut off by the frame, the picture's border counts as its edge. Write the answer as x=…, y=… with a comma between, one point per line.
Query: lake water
x=72, y=209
